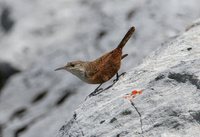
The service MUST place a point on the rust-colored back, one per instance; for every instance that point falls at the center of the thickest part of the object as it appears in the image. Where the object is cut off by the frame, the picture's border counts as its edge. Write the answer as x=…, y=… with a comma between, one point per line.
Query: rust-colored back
x=105, y=67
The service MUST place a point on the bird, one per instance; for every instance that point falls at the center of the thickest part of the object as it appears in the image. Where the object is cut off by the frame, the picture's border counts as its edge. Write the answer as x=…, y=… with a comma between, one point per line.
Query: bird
x=102, y=69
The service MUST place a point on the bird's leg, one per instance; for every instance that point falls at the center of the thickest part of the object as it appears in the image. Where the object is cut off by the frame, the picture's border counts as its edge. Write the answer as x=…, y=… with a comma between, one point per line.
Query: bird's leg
x=115, y=80
x=118, y=76
x=98, y=88
x=96, y=91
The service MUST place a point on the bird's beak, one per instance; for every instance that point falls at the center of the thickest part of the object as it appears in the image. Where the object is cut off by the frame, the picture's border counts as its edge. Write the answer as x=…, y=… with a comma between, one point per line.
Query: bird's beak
x=59, y=68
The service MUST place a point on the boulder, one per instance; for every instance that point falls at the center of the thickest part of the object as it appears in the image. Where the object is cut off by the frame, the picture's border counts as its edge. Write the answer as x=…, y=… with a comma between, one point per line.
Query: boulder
x=169, y=103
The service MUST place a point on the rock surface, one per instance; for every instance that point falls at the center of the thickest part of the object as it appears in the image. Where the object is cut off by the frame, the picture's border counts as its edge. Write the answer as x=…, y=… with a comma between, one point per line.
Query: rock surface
x=6, y=71
x=47, y=34
x=169, y=105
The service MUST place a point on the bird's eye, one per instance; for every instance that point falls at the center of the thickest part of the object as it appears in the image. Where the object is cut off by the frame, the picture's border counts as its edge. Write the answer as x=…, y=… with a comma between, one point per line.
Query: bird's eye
x=72, y=65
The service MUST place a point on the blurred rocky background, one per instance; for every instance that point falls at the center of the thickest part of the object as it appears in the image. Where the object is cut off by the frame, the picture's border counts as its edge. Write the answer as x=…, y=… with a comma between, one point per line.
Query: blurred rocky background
x=38, y=36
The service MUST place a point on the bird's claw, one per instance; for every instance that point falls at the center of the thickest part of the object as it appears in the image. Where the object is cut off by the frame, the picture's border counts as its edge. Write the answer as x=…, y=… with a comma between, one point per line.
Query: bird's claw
x=95, y=92
x=122, y=74
x=118, y=76
x=115, y=80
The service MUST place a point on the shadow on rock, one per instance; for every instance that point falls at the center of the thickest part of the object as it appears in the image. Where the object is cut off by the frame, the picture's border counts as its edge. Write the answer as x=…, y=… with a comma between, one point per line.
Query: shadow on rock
x=6, y=70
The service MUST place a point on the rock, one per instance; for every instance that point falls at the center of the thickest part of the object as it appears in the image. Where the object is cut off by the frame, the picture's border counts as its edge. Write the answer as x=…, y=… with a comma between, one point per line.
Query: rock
x=6, y=21
x=1, y=134
x=168, y=105
x=6, y=71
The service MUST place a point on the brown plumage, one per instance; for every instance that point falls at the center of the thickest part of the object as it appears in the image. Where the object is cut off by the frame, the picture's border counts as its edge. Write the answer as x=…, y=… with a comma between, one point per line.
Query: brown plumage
x=103, y=68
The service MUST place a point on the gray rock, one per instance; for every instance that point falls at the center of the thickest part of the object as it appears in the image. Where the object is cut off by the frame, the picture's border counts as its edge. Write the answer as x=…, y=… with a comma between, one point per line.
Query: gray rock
x=6, y=21
x=169, y=104
x=6, y=71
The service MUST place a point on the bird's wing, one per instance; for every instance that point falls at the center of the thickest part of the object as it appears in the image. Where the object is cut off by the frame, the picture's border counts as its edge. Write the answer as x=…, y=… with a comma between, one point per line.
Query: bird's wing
x=98, y=65
x=92, y=72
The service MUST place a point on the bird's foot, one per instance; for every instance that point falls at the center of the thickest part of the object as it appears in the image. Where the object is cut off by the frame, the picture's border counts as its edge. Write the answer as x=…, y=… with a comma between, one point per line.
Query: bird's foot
x=99, y=90
x=122, y=74
x=118, y=76
x=109, y=86
x=95, y=92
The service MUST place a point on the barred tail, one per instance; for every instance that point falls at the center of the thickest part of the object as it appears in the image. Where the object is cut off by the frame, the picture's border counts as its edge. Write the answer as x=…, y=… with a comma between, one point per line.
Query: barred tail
x=126, y=38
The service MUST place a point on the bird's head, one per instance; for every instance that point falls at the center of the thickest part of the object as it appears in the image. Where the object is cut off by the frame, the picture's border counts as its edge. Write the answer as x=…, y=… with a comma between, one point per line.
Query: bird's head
x=75, y=67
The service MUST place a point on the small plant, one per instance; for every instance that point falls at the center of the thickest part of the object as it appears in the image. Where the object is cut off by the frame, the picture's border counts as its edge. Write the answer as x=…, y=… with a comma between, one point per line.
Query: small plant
x=126, y=112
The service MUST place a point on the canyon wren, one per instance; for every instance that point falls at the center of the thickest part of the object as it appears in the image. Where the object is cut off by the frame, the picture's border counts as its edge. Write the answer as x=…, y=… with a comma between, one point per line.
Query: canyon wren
x=103, y=68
